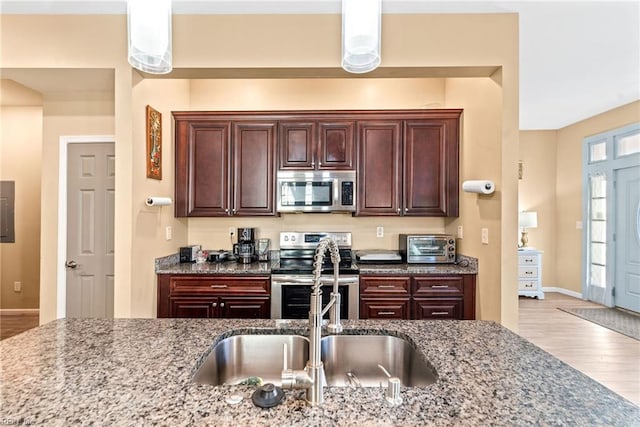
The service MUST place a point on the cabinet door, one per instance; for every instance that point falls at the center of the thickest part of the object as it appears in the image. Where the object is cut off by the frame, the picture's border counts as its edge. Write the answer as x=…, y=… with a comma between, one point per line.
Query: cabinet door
x=336, y=145
x=245, y=308
x=385, y=285
x=437, y=308
x=296, y=145
x=379, y=168
x=387, y=308
x=193, y=307
x=431, y=167
x=254, y=167
x=202, y=168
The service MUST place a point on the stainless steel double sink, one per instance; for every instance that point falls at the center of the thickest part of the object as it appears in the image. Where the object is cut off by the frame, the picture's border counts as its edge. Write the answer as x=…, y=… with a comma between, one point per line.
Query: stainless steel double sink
x=349, y=360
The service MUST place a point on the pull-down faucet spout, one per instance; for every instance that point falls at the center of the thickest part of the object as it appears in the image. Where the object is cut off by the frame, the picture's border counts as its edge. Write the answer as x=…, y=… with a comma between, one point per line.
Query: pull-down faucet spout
x=312, y=379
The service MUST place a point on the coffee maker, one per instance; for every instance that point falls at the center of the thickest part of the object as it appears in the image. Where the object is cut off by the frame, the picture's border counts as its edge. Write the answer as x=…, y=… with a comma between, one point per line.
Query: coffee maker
x=245, y=249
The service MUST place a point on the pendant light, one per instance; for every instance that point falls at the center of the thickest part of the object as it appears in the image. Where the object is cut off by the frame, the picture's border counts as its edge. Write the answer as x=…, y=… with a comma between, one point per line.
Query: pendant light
x=149, y=28
x=361, y=28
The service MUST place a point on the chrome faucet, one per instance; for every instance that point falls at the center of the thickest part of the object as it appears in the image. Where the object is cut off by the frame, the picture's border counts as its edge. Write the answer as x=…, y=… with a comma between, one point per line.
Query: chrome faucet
x=312, y=378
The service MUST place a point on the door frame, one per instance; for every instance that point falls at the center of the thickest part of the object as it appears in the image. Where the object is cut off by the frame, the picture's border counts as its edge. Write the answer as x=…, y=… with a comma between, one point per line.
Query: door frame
x=608, y=167
x=61, y=272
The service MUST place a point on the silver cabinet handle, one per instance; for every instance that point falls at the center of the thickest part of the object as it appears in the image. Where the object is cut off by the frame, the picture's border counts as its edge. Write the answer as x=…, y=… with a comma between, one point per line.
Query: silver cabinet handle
x=387, y=286
x=439, y=286
x=71, y=264
x=221, y=304
x=319, y=164
x=214, y=305
x=439, y=313
x=406, y=209
x=226, y=210
x=219, y=286
x=398, y=210
x=386, y=313
x=313, y=164
x=234, y=210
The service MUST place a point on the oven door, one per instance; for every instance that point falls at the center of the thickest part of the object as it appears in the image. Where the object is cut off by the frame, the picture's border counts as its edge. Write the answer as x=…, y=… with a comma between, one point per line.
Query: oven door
x=290, y=295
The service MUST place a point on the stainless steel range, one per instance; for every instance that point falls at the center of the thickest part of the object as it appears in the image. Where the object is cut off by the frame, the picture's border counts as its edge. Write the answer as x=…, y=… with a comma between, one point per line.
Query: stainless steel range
x=290, y=298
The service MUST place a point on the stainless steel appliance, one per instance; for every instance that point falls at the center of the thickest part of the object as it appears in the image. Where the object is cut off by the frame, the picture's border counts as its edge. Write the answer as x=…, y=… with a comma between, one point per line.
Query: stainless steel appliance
x=245, y=249
x=189, y=253
x=427, y=248
x=290, y=298
x=316, y=191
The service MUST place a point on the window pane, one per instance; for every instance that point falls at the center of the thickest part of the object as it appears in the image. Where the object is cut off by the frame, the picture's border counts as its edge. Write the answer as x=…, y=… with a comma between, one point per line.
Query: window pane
x=598, y=152
x=629, y=144
x=598, y=275
x=598, y=231
x=598, y=208
x=598, y=186
x=599, y=253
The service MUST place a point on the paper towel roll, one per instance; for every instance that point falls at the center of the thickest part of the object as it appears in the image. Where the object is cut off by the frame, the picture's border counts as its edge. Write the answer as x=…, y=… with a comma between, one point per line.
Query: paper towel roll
x=479, y=186
x=158, y=201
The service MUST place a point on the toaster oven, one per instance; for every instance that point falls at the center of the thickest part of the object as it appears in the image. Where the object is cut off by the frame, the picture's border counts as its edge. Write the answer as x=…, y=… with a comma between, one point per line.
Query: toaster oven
x=427, y=248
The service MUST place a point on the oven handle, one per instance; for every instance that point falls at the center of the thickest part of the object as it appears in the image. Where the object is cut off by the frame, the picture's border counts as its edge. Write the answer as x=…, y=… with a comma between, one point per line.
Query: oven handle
x=328, y=280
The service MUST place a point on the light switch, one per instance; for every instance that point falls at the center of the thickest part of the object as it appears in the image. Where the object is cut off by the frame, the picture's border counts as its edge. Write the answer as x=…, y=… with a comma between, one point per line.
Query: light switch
x=460, y=233
x=380, y=231
x=485, y=236
x=168, y=233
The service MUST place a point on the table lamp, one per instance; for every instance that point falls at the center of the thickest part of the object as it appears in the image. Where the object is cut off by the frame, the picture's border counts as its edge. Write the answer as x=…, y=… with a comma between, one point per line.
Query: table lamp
x=526, y=220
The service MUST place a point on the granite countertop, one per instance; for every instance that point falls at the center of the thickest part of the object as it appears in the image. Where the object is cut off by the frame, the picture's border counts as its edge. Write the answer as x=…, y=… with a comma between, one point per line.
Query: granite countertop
x=138, y=372
x=170, y=265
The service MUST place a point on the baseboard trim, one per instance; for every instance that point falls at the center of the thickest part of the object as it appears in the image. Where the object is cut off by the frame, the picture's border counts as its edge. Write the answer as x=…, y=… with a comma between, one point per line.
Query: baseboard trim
x=18, y=311
x=562, y=291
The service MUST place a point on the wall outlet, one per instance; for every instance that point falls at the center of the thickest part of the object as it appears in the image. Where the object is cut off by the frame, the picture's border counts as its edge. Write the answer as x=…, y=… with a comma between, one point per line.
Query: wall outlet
x=379, y=231
x=232, y=231
x=485, y=236
x=17, y=286
x=168, y=233
x=460, y=233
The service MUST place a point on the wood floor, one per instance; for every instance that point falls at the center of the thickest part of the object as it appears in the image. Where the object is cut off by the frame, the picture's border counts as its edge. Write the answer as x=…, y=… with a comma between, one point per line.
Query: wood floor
x=608, y=357
x=13, y=324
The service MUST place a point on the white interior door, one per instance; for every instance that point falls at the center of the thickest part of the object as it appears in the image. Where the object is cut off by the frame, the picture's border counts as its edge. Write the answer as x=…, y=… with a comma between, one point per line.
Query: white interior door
x=627, y=242
x=90, y=230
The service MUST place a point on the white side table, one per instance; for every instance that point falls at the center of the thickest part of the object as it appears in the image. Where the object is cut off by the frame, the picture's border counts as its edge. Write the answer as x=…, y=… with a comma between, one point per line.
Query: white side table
x=530, y=273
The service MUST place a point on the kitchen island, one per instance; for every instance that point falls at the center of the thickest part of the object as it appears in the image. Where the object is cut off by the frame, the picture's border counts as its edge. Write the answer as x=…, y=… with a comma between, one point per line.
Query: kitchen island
x=138, y=372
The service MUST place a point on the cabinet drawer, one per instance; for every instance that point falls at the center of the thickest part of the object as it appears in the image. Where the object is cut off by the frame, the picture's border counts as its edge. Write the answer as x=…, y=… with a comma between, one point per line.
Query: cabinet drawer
x=528, y=259
x=528, y=285
x=396, y=286
x=217, y=286
x=527, y=272
x=384, y=308
x=438, y=286
x=450, y=308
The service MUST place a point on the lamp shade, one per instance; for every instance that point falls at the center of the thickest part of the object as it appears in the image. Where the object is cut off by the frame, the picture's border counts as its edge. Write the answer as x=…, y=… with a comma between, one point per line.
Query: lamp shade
x=361, y=28
x=528, y=219
x=149, y=29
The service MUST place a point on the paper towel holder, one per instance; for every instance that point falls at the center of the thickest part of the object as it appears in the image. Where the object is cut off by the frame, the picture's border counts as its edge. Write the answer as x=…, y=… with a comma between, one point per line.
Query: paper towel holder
x=479, y=186
x=152, y=201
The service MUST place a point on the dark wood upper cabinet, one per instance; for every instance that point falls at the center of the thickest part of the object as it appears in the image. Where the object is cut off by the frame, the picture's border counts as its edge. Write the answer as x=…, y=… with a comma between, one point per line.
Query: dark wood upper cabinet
x=315, y=145
x=202, y=168
x=379, y=170
x=430, y=159
x=254, y=164
x=407, y=161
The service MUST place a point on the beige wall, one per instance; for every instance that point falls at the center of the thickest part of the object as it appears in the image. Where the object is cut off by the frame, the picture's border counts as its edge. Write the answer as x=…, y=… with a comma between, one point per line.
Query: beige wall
x=149, y=223
x=20, y=161
x=569, y=188
x=537, y=192
x=413, y=45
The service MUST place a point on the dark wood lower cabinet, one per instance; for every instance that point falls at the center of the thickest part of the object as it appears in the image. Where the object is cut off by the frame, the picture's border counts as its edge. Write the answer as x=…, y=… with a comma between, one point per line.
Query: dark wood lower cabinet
x=201, y=296
x=418, y=297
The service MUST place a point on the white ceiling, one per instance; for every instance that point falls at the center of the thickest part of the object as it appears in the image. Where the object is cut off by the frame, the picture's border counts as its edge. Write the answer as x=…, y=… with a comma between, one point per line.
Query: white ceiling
x=577, y=58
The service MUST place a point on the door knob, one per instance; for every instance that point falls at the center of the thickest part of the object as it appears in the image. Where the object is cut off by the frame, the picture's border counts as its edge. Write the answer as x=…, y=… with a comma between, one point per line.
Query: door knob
x=71, y=264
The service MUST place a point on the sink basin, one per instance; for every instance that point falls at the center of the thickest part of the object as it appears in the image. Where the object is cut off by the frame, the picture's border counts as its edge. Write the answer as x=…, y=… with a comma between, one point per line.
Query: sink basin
x=349, y=360
x=352, y=360
x=234, y=359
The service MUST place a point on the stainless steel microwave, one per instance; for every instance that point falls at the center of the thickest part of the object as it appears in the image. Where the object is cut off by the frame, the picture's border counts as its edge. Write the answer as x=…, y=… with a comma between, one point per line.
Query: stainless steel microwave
x=427, y=248
x=316, y=191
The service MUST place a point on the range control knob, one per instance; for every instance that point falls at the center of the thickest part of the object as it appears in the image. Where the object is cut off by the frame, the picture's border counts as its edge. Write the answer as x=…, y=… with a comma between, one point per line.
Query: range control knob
x=451, y=242
x=286, y=238
x=293, y=238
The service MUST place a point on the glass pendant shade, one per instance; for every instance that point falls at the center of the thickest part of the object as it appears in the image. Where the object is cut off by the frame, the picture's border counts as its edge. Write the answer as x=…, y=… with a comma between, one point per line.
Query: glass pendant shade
x=149, y=28
x=361, y=28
